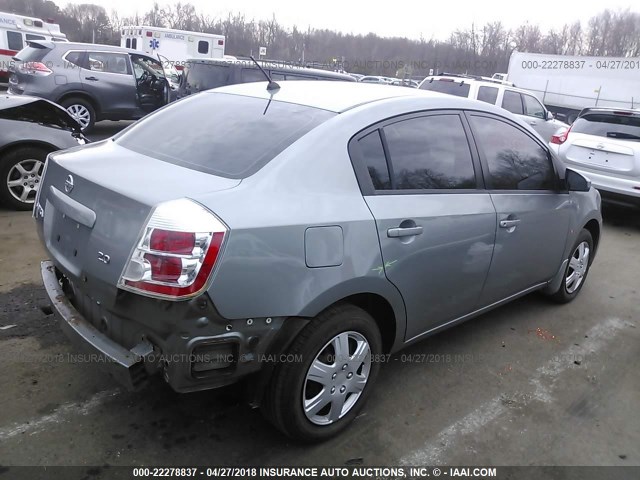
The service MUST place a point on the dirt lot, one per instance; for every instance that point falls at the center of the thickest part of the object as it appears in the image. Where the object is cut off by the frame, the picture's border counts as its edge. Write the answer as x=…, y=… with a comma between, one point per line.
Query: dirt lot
x=530, y=383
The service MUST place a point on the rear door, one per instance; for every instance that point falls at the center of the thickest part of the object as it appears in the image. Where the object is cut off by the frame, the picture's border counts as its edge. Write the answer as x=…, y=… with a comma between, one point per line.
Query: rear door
x=536, y=115
x=436, y=224
x=533, y=213
x=108, y=76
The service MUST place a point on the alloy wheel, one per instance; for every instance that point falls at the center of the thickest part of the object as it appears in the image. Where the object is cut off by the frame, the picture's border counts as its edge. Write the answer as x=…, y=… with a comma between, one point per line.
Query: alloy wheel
x=24, y=179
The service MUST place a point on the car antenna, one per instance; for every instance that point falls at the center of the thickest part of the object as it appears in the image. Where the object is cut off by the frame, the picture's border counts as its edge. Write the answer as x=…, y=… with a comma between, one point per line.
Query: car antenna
x=272, y=85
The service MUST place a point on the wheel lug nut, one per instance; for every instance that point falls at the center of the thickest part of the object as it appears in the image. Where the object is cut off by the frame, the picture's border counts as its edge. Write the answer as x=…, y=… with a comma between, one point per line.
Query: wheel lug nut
x=342, y=389
x=349, y=375
x=344, y=367
x=333, y=389
x=334, y=376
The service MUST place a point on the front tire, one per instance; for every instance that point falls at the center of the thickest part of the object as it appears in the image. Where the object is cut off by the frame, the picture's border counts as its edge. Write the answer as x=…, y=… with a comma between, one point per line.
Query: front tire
x=21, y=176
x=328, y=376
x=577, y=269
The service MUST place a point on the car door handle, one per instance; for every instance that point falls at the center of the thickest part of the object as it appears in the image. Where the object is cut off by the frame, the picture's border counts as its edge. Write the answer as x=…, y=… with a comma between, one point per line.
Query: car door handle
x=404, y=232
x=509, y=223
x=91, y=79
x=533, y=123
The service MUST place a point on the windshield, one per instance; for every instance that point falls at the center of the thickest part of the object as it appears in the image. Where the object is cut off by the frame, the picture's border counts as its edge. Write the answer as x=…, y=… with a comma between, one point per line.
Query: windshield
x=451, y=87
x=226, y=135
x=622, y=127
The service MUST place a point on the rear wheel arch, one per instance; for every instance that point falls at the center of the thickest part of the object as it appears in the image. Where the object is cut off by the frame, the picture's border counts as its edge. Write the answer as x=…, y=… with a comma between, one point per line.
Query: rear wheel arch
x=381, y=311
x=84, y=96
x=376, y=296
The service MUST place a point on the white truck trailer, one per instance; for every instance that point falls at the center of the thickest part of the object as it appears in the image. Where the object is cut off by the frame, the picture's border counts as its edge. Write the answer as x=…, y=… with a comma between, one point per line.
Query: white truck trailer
x=567, y=84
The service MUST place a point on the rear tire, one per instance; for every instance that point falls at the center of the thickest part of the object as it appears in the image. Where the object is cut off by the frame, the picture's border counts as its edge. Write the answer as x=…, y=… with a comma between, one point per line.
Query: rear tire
x=319, y=390
x=82, y=111
x=577, y=269
x=21, y=175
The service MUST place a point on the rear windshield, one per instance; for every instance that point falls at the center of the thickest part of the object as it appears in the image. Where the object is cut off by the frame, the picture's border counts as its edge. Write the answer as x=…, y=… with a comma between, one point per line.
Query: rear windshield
x=451, y=87
x=226, y=135
x=204, y=76
x=32, y=54
x=623, y=127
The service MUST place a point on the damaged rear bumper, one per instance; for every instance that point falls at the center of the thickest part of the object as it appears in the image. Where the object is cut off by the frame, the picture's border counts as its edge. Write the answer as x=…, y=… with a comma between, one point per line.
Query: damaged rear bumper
x=125, y=366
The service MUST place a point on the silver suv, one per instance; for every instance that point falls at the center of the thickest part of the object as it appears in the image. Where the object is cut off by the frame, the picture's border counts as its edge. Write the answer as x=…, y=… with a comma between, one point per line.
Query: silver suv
x=293, y=236
x=92, y=82
x=603, y=144
x=522, y=103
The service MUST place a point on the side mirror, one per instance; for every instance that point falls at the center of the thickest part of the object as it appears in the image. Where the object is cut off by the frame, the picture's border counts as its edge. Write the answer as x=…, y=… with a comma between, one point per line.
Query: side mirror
x=576, y=182
x=550, y=115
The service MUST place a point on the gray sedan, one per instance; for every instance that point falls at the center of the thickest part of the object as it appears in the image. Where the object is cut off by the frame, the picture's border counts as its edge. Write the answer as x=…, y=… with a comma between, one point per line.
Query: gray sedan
x=293, y=237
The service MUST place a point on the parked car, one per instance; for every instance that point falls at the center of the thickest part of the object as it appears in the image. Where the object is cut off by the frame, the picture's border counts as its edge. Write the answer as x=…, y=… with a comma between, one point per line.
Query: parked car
x=376, y=79
x=280, y=240
x=407, y=82
x=603, y=144
x=30, y=129
x=199, y=75
x=92, y=82
x=520, y=102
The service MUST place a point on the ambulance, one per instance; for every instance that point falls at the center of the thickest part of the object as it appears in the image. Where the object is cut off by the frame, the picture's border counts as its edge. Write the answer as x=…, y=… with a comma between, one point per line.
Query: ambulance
x=16, y=31
x=172, y=46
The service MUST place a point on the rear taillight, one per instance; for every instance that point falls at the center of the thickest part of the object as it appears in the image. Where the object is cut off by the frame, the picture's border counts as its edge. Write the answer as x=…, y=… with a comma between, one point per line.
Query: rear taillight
x=176, y=253
x=35, y=68
x=560, y=138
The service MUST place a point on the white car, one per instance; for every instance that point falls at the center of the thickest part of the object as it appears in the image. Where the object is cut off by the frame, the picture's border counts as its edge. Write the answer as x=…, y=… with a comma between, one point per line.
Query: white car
x=522, y=103
x=603, y=144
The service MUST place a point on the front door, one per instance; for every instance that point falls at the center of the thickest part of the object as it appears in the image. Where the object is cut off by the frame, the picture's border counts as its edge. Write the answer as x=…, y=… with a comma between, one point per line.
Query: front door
x=435, y=222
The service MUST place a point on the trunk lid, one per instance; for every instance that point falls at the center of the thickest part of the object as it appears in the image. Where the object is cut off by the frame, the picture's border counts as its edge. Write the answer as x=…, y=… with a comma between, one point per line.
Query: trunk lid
x=95, y=202
x=607, y=155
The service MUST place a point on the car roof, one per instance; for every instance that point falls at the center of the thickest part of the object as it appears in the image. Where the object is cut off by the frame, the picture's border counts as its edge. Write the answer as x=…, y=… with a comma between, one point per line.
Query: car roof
x=469, y=79
x=623, y=111
x=342, y=96
x=84, y=46
x=273, y=65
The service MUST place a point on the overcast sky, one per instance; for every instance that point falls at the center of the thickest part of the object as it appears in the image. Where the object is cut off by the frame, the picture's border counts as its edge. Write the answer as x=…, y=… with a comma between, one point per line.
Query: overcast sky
x=408, y=18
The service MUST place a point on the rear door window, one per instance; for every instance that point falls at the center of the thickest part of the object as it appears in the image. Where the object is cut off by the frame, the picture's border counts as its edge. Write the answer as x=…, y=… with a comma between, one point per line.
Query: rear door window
x=430, y=152
x=14, y=41
x=515, y=160
x=375, y=160
x=488, y=94
x=231, y=136
x=512, y=102
x=109, y=62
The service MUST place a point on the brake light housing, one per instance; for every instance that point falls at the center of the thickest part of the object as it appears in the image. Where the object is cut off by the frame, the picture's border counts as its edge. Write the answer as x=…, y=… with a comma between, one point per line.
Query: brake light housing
x=176, y=253
x=560, y=138
x=35, y=68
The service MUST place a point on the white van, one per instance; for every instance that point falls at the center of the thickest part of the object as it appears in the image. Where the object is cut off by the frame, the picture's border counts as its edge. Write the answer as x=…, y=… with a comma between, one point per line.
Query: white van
x=16, y=31
x=175, y=46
